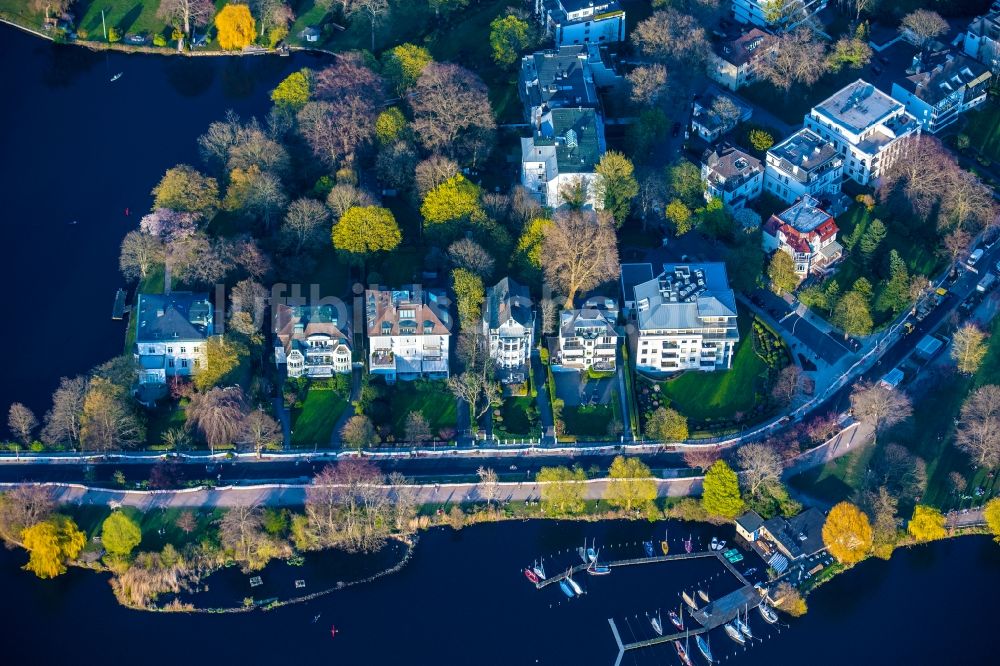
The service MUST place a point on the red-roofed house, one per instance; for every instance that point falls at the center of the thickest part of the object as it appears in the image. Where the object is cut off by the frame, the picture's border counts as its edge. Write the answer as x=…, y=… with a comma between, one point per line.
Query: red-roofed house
x=807, y=233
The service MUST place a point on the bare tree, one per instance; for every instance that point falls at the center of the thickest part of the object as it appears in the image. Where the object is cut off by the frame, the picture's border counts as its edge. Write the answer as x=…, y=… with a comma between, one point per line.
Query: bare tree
x=62, y=422
x=260, y=431
x=470, y=255
x=798, y=60
x=335, y=130
x=432, y=172
x=700, y=457
x=648, y=83
x=359, y=432
x=672, y=37
x=897, y=468
x=347, y=506
x=488, y=487
x=452, y=112
x=20, y=508
x=581, y=251
x=417, y=429
x=403, y=496
x=307, y=224
x=760, y=466
x=956, y=243
x=880, y=406
x=924, y=26
x=343, y=197
x=548, y=307
x=218, y=414
x=374, y=10
x=968, y=348
x=272, y=14
x=786, y=387
x=22, y=422
x=249, y=297
x=108, y=422
x=184, y=14
x=523, y=205
x=978, y=432
x=139, y=253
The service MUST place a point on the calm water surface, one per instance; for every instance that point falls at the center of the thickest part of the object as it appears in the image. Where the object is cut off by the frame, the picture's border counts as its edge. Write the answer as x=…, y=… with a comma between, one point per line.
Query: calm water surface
x=77, y=147
x=463, y=600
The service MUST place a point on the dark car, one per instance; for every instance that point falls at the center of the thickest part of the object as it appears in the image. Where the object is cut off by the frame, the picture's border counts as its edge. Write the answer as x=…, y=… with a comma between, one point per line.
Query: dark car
x=675, y=131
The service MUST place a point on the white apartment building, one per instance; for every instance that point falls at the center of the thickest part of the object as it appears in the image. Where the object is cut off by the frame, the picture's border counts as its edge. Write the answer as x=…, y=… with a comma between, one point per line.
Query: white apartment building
x=731, y=175
x=780, y=15
x=561, y=155
x=170, y=335
x=587, y=339
x=312, y=341
x=408, y=334
x=509, y=327
x=582, y=21
x=866, y=126
x=982, y=40
x=686, y=318
x=804, y=164
x=941, y=87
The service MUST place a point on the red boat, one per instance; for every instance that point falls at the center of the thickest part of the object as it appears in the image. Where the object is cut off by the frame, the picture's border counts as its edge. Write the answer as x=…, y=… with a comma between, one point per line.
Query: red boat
x=333, y=631
x=682, y=653
x=531, y=575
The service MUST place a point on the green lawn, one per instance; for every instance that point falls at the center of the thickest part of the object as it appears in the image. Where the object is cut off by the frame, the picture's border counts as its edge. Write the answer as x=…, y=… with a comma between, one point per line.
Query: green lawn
x=515, y=420
x=430, y=398
x=983, y=128
x=164, y=417
x=90, y=518
x=313, y=424
x=707, y=397
x=592, y=420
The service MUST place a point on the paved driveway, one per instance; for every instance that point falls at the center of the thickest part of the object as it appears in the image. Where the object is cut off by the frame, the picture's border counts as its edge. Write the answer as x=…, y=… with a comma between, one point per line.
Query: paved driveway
x=827, y=347
x=574, y=392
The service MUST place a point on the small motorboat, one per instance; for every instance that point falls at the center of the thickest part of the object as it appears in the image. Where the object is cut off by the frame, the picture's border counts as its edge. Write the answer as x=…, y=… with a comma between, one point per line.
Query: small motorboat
x=566, y=589
x=116, y=77
x=704, y=597
x=767, y=613
x=598, y=569
x=648, y=547
x=704, y=648
x=316, y=619
x=676, y=620
x=657, y=624
x=531, y=575
x=715, y=544
x=734, y=633
x=664, y=546
x=722, y=544
x=688, y=545
x=589, y=553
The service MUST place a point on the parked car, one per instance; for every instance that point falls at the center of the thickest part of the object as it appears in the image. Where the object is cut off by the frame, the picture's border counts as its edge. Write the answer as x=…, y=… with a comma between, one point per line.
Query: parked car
x=976, y=255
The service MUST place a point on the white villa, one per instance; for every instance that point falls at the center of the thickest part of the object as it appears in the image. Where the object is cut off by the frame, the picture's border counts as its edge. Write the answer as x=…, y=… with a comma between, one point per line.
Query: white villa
x=942, y=89
x=561, y=155
x=808, y=234
x=686, y=319
x=587, y=339
x=314, y=341
x=509, y=327
x=170, y=335
x=735, y=63
x=731, y=175
x=408, y=334
x=866, y=126
x=804, y=164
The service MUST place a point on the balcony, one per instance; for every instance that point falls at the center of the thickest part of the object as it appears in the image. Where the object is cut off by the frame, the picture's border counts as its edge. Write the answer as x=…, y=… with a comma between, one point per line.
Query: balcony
x=383, y=358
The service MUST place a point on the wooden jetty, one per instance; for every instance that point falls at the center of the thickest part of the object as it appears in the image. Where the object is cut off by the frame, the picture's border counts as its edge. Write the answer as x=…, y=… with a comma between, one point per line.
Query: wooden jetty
x=625, y=563
x=724, y=609
x=118, y=310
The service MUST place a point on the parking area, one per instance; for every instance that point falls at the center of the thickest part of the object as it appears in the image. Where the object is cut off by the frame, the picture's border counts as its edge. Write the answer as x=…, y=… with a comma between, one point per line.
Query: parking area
x=574, y=391
x=828, y=347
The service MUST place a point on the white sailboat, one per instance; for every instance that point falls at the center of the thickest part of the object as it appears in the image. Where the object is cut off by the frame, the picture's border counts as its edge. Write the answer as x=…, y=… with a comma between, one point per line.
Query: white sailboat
x=539, y=570
x=656, y=622
x=704, y=648
x=742, y=625
x=573, y=584
x=767, y=613
x=734, y=633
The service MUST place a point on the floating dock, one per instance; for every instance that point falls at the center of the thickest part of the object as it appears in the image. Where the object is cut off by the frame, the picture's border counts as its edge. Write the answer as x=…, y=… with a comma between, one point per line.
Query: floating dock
x=118, y=310
x=625, y=563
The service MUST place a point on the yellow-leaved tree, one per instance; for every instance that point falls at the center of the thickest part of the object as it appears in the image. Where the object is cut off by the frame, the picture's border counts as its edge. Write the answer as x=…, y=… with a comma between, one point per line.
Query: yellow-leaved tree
x=562, y=490
x=630, y=484
x=927, y=524
x=847, y=533
x=51, y=543
x=236, y=26
x=364, y=230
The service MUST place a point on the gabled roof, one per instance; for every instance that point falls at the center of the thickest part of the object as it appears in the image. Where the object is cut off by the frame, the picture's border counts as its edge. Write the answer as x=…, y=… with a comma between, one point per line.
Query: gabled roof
x=802, y=535
x=744, y=48
x=730, y=167
x=750, y=521
x=508, y=300
x=294, y=325
x=387, y=312
x=945, y=74
x=572, y=321
x=181, y=315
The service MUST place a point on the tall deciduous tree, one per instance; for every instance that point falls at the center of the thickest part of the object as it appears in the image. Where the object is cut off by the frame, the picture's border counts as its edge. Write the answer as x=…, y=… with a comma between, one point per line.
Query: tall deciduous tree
x=120, y=534
x=672, y=37
x=108, y=422
x=51, y=544
x=847, y=533
x=139, y=253
x=222, y=356
x=991, y=513
x=218, y=414
x=452, y=112
x=488, y=487
x=786, y=387
x=667, y=425
x=22, y=422
x=62, y=422
x=798, y=60
x=616, y=185
x=236, y=27
x=306, y=225
x=294, y=91
x=454, y=200
x=365, y=230
x=561, y=489
x=721, y=491
x=184, y=14
x=581, y=252
x=630, y=484
x=923, y=25
x=509, y=36
x=852, y=314
x=186, y=190
x=760, y=467
x=880, y=406
x=469, y=297
x=926, y=524
x=781, y=271
x=968, y=348
x=256, y=194
x=259, y=431
x=880, y=506
x=978, y=432
x=470, y=255
x=359, y=433
x=402, y=65
x=416, y=429
x=20, y=508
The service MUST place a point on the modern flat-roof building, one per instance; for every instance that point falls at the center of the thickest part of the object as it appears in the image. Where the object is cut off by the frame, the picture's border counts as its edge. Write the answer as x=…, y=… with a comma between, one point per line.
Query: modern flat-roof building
x=171, y=331
x=632, y=275
x=866, y=126
x=760, y=12
x=942, y=89
x=408, y=333
x=807, y=233
x=567, y=76
x=735, y=62
x=582, y=21
x=686, y=320
x=731, y=175
x=587, y=339
x=804, y=164
x=312, y=341
x=561, y=155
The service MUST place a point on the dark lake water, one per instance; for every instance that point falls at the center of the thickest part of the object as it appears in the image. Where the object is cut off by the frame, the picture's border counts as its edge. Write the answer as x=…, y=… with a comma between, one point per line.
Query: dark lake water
x=77, y=147
x=463, y=600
